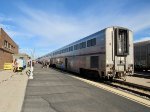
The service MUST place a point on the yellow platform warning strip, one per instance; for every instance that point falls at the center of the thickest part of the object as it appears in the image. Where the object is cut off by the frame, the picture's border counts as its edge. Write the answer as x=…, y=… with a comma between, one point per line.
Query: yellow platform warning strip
x=129, y=96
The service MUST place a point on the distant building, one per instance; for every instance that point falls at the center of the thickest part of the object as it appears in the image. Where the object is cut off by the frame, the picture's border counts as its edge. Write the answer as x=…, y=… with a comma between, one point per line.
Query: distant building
x=7, y=48
x=21, y=56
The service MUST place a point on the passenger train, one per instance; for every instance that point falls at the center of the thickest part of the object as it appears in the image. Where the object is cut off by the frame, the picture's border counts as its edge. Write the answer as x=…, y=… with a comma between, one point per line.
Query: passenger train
x=108, y=53
x=142, y=55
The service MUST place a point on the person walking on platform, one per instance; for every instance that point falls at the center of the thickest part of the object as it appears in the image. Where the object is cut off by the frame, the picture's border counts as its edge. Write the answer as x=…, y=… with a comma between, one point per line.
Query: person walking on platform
x=43, y=64
x=15, y=64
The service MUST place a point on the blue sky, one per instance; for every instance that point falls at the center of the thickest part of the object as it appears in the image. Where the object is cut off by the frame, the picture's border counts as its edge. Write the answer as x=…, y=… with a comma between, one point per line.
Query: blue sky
x=46, y=25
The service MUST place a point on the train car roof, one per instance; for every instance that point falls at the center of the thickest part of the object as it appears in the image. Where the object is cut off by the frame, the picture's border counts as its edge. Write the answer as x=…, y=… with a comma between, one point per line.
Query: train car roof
x=90, y=36
x=142, y=42
x=73, y=43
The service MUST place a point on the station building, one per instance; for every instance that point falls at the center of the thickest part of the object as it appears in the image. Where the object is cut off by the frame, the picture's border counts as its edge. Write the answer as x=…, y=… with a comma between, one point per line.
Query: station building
x=7, y=48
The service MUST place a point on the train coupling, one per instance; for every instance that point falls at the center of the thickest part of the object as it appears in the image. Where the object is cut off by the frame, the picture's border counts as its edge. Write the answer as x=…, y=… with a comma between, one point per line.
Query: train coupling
x=121, y=75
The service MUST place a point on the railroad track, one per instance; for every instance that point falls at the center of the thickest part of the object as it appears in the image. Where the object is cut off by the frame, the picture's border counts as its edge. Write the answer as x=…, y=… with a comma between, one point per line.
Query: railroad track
x=130, y=87
x=140, y=75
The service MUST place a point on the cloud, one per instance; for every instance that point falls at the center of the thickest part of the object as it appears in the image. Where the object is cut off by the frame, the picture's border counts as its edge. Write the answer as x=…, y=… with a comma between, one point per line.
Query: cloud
x=142, y=39
x=51, y=30
x=54, y=28
x=4, y=18
x=52, y=25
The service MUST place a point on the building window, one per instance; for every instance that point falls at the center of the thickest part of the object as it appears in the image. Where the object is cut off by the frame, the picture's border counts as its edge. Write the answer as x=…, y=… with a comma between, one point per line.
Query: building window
x=9, y=46
x=5, y=43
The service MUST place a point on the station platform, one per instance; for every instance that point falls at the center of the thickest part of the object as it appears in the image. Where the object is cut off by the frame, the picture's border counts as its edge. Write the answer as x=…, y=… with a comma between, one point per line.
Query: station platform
x=138, y=80
x=55, y=91
x=12, y=90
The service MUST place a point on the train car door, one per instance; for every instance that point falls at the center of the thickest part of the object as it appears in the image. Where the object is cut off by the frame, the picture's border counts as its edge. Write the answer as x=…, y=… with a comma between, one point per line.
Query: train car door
x=51, y=62
x=66, y=63
x=122, y=49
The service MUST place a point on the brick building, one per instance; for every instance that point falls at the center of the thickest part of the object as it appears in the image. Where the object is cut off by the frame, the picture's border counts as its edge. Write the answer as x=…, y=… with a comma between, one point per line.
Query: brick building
x=7, y=48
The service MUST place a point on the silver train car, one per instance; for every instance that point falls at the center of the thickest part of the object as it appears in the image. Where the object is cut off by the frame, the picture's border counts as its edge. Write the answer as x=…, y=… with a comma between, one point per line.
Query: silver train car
x=108, y=53
x=142, y=55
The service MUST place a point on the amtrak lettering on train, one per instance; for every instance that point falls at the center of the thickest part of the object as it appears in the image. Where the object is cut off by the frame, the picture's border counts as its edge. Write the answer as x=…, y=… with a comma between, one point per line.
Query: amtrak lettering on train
x=108, y=53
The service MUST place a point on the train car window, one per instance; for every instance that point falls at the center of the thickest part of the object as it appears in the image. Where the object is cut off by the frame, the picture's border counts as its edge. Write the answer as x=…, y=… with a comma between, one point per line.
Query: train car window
x=71, y=48
x=66, y=49
x=84, y=45
x=93, y=42
x=80, y=46
x=122, y=42
x=76, y=47
x=94, y=62
x=88, y=43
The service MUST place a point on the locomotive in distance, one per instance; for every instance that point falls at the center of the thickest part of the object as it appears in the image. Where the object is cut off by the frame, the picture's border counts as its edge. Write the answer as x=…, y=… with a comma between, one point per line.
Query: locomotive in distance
x=108, y=53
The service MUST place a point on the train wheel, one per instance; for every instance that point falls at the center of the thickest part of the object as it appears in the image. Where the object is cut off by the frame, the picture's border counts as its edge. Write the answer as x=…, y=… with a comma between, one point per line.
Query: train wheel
x=124, y=78
x=111, y=78
x=106, y=78
x=82, y=72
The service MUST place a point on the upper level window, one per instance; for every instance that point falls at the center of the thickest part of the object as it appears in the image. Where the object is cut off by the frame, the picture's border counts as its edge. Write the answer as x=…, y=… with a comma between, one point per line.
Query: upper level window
x=66, y=50
x=88, y=43
x=75, y=47
x=78, y=46
x=82, y=45
x=71, y=48
x=91, y=42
